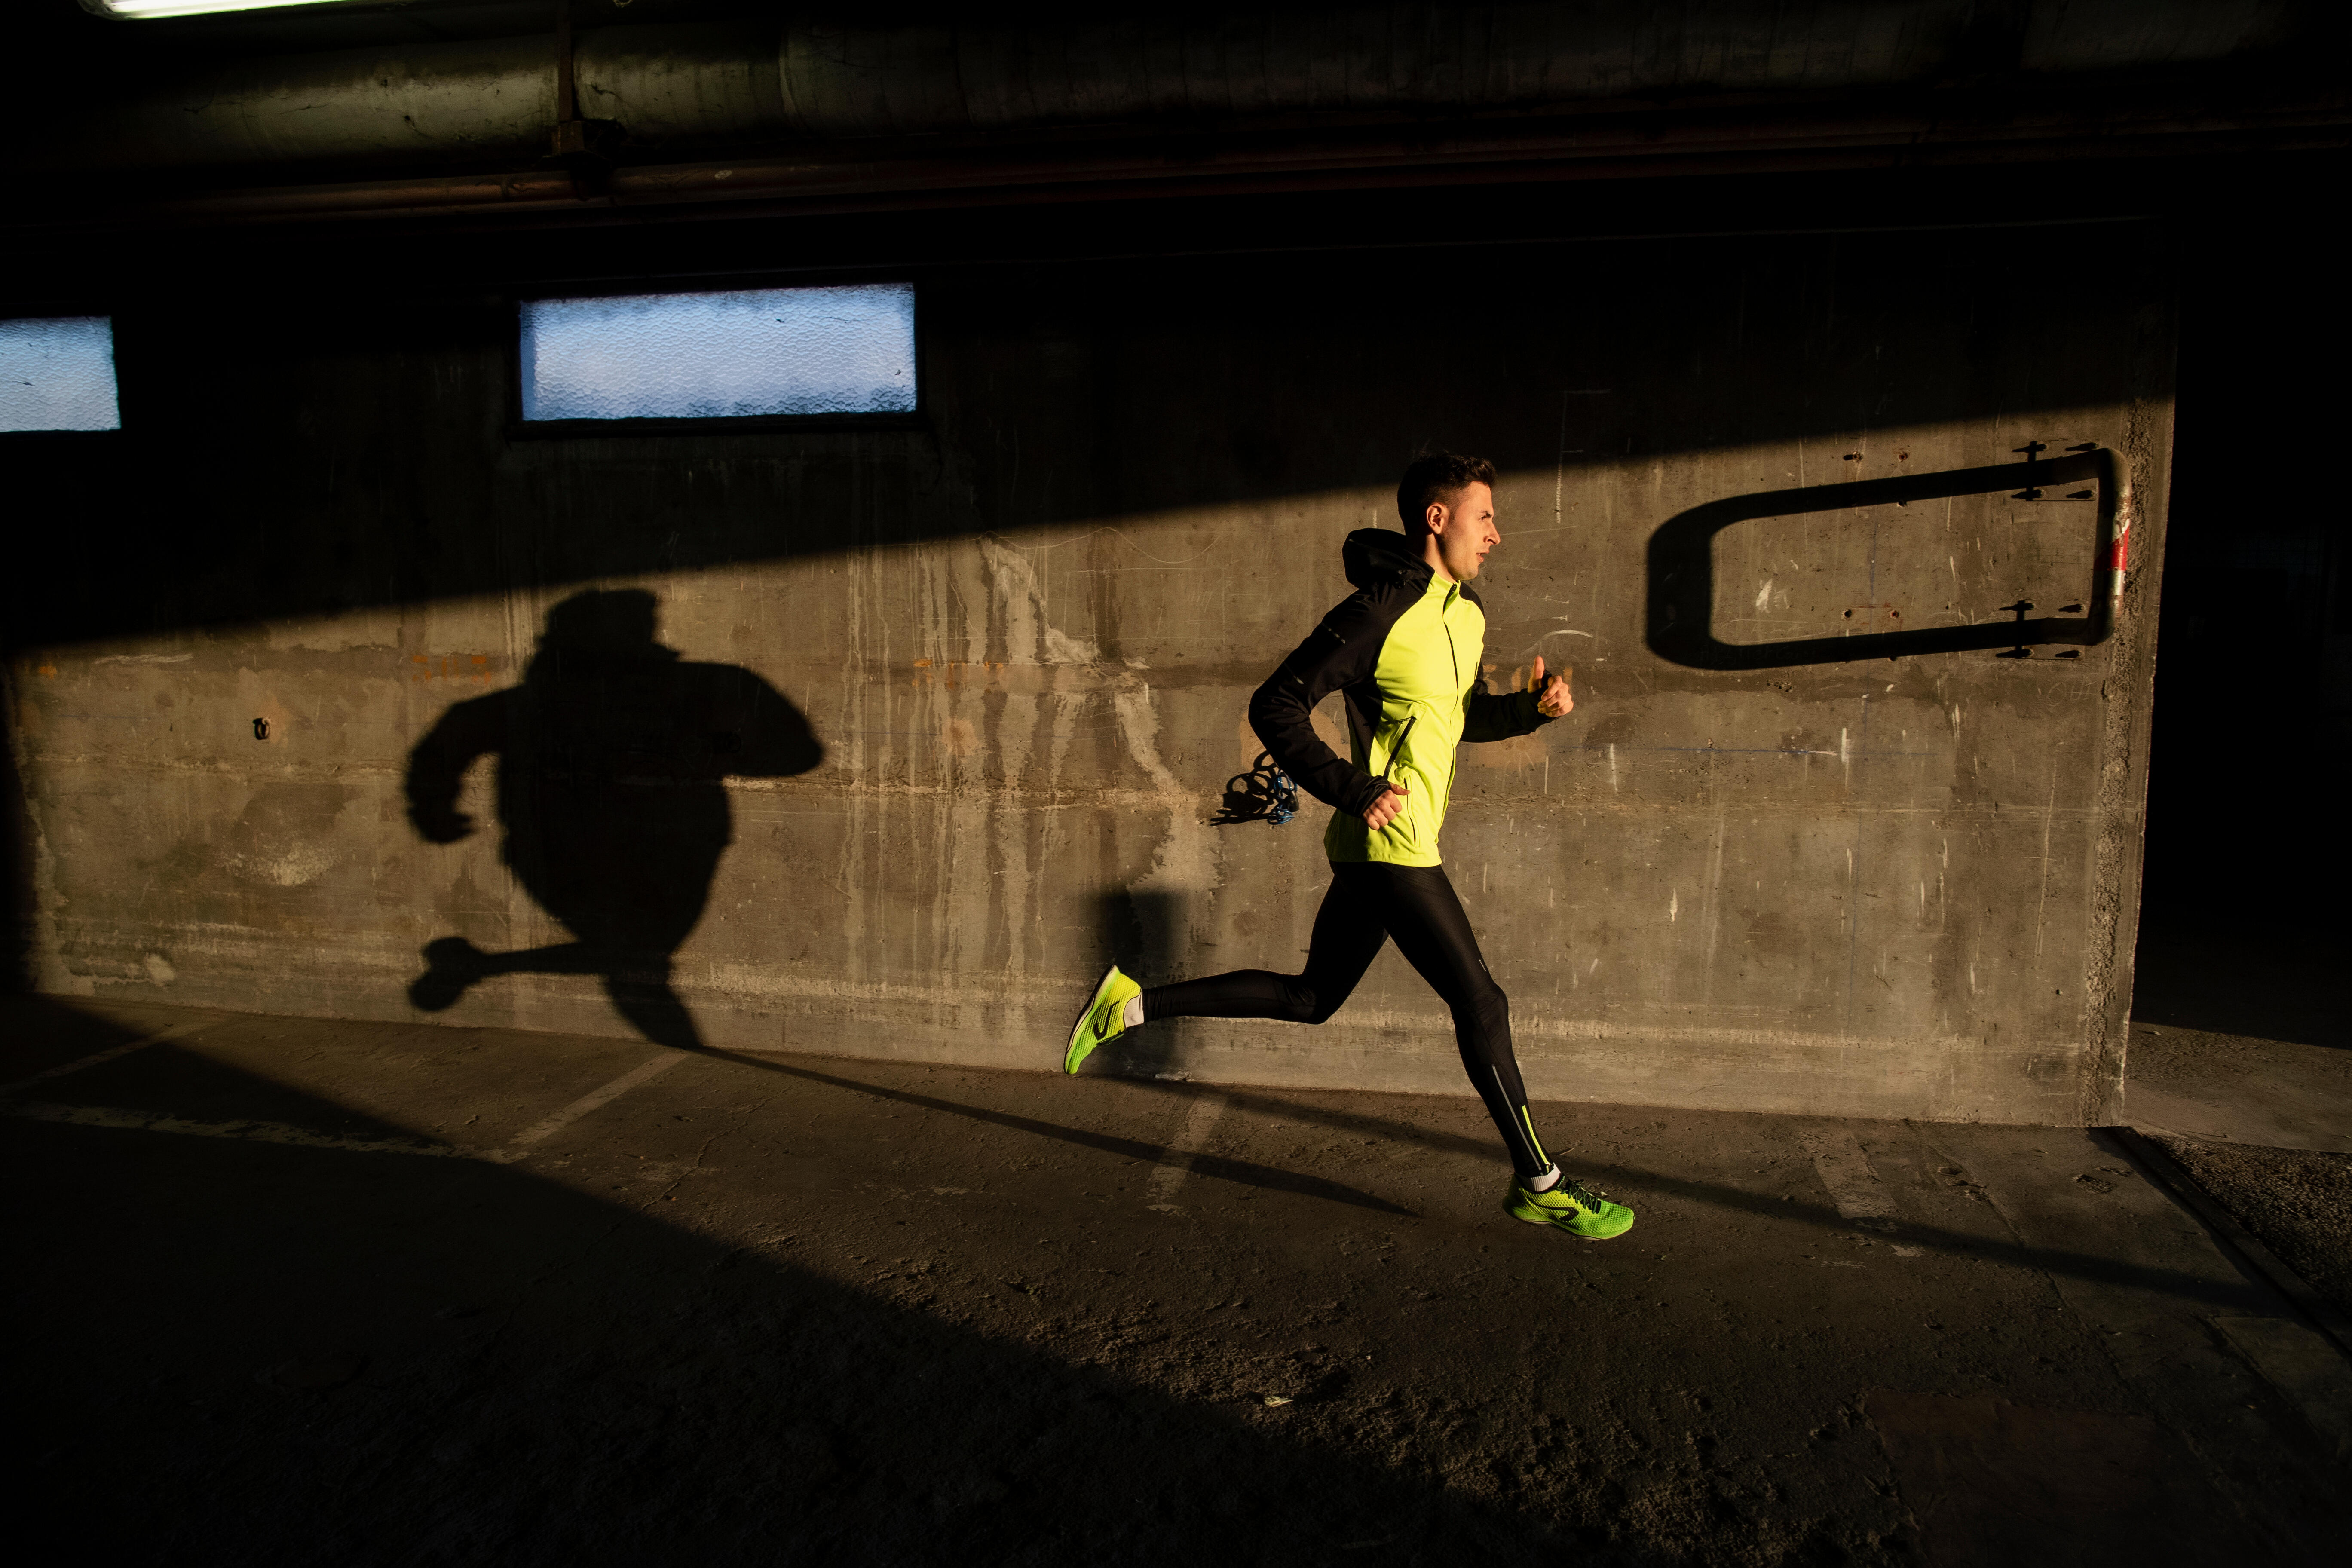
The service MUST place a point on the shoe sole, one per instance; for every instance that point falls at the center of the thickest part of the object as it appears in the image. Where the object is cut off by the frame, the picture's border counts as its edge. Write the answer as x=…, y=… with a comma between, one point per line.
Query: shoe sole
x=1071, y=1055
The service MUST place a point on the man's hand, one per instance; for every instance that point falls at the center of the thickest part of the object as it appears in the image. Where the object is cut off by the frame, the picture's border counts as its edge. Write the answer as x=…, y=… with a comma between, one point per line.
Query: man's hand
x=1384, y=810
x=1552, y=700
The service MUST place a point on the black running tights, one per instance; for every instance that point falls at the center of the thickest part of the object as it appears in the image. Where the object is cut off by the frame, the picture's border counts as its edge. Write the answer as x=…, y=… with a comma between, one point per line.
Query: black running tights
x=1368, y=904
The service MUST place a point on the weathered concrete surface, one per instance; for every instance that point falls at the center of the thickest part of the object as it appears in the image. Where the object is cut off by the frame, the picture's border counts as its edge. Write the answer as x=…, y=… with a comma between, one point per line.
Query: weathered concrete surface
x=2237, y=1089
x=2260, y=1117
x=2240, y=1034
x=2296, y=1202
x=319, y=1289
x=1024, y=632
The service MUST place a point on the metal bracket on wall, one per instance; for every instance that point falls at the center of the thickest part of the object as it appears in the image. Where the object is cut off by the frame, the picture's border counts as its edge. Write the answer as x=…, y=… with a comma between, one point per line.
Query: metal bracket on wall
x=581, y=145
x=1682, y=566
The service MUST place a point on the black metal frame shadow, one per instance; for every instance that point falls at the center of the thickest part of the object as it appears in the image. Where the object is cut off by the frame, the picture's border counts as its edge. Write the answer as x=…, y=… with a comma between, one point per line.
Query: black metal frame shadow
x=1682, y=567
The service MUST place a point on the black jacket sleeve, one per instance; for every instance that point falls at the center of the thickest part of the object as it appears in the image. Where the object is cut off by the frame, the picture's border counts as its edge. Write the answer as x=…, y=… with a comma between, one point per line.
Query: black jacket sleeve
x=1487, y=717
x=1341, y=652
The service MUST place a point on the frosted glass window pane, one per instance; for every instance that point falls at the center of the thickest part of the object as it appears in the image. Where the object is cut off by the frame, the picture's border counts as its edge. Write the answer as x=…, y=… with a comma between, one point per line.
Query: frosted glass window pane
x=57, y=373
x=721, y=355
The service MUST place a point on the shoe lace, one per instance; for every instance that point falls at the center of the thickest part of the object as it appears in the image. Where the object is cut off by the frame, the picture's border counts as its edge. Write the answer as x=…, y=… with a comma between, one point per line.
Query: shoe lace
x=1577, y=1193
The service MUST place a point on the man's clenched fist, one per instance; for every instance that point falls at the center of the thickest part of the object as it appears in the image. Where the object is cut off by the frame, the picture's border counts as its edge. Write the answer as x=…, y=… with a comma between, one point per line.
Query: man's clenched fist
x=1552, y=697
x=1383, y=811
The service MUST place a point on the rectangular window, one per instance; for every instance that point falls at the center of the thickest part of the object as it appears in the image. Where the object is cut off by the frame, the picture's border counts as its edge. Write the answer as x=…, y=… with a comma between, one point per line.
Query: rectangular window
x=737, y=355
x=57, y=373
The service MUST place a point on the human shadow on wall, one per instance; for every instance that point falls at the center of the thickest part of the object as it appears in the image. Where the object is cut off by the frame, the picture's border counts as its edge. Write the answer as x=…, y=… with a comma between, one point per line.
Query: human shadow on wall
x=612, y=756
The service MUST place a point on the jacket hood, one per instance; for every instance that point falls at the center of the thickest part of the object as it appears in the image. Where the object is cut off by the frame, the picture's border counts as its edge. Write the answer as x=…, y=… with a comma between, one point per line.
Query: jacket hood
x=1374, y=555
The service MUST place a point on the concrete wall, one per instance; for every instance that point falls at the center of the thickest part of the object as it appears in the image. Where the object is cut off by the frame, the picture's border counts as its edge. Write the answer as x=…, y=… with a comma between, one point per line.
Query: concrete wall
x=1023, y=631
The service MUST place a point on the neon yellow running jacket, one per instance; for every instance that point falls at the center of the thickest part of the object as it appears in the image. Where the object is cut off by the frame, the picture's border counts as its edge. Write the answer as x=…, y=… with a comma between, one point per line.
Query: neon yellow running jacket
x=1404, y=645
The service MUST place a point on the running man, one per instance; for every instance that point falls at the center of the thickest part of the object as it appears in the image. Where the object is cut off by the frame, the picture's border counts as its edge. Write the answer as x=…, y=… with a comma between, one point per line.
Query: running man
x=1403, y=652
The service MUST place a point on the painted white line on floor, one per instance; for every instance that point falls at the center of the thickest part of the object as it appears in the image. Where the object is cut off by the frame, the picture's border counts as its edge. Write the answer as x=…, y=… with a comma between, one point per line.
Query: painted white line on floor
x=1845, y=1171
x=612, y=1092
x=242, y=1131
x=176, y=1032
x=302, y=1137
x=1176, y=1160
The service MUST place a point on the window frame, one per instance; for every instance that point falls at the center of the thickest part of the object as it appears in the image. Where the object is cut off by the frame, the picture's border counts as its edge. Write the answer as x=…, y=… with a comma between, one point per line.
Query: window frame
x=521, y=429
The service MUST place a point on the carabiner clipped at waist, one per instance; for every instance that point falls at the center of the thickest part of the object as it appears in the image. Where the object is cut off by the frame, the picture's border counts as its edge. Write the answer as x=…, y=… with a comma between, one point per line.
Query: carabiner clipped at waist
x=1265, y=793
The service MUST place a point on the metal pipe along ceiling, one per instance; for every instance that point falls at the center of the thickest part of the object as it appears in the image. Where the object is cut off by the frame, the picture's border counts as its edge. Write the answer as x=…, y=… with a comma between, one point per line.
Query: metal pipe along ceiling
x=676, y=88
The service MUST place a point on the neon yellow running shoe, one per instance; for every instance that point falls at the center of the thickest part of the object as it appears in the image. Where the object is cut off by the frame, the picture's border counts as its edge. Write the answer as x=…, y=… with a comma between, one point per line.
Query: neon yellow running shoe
x=1104, y=1019
x=1570, y=1207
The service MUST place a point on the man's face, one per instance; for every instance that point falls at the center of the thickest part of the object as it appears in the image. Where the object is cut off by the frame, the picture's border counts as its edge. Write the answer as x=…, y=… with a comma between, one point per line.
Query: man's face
x=1465, y=531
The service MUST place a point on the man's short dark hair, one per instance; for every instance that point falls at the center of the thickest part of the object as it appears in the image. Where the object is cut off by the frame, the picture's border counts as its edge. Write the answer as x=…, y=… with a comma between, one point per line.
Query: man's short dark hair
x=1437, y=477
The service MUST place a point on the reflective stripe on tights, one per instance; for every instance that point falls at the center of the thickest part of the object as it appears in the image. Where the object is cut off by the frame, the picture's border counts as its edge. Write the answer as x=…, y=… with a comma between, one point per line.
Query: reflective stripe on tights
x=1369, y=903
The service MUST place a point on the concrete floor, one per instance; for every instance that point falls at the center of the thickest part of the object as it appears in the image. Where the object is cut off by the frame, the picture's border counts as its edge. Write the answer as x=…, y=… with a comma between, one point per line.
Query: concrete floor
x=302, y=1291
x=2242, y=1041
x=2240, y=1063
